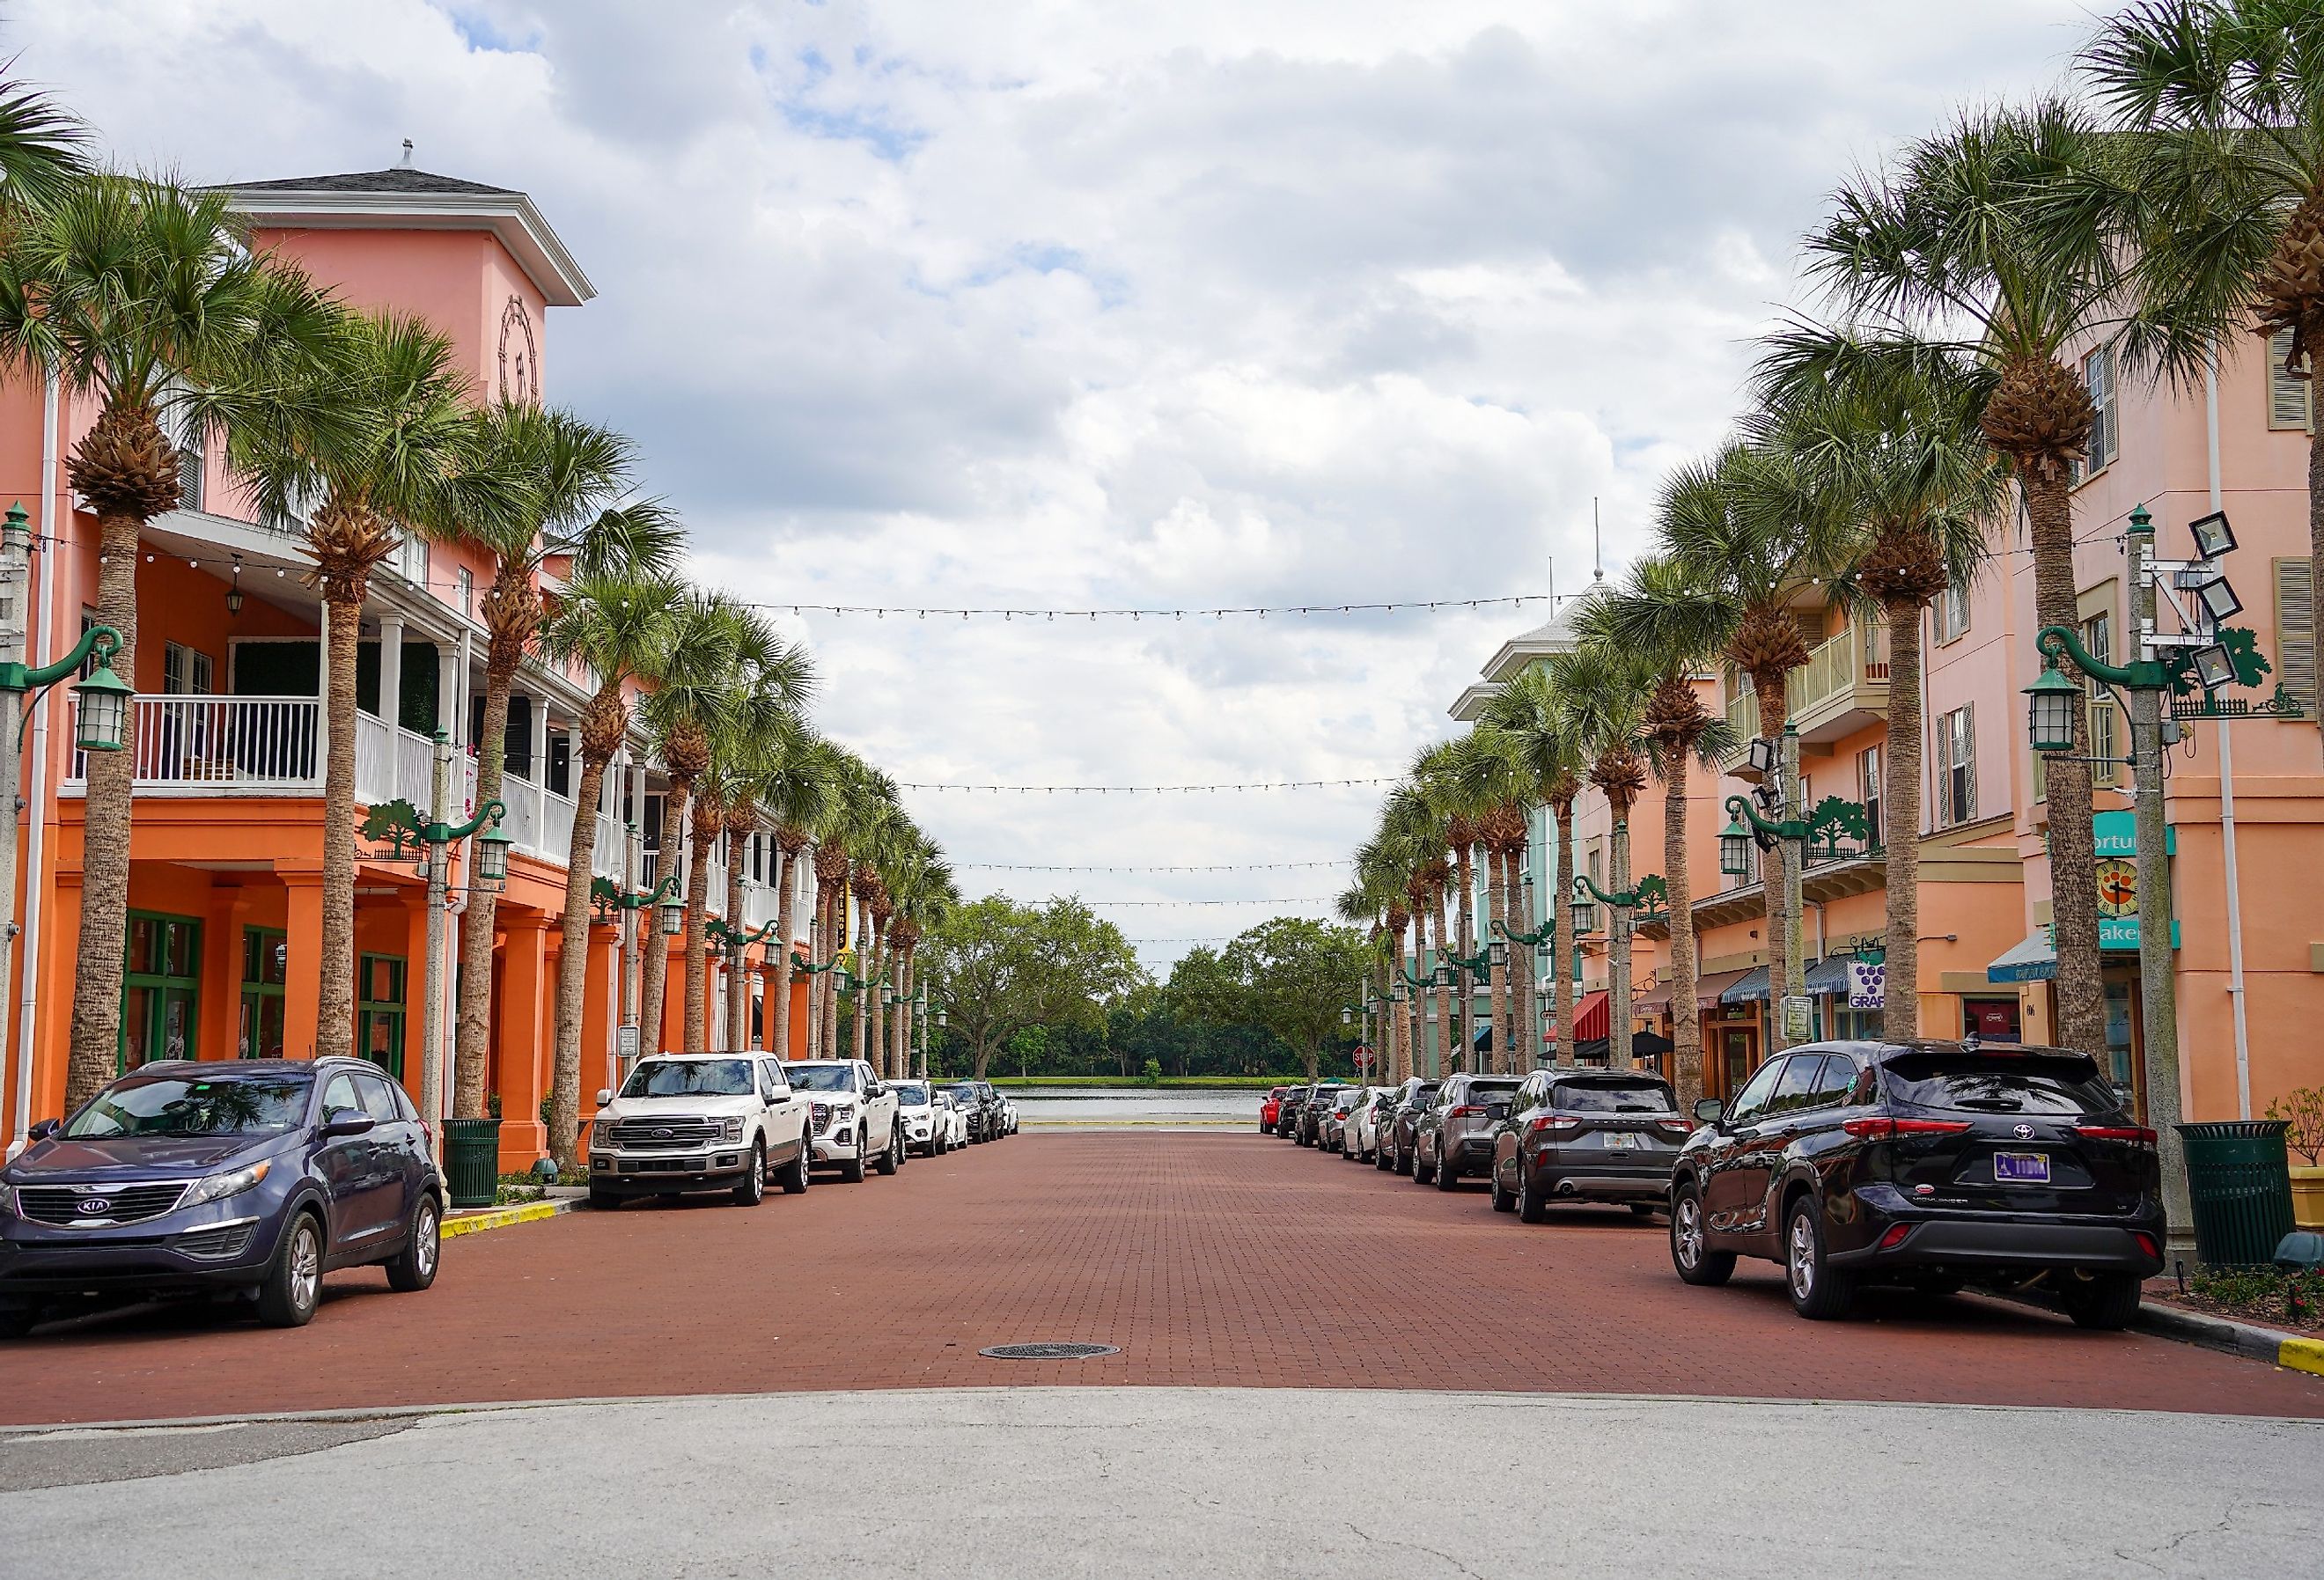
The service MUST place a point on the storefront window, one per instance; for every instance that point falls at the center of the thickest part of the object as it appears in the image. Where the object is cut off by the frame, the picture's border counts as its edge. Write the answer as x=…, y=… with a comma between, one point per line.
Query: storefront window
x=379, y=1011
x=2117, y=1026
x=266, y=967
x=161, y=991
x=1991, y=1020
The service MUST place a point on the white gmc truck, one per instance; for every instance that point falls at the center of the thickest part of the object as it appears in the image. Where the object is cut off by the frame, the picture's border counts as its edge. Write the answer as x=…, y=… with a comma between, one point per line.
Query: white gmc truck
x=699, y=1122
x=851, y=1119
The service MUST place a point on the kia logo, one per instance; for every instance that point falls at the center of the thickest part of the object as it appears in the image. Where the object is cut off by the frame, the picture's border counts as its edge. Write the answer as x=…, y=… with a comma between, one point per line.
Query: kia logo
x=95, y=1205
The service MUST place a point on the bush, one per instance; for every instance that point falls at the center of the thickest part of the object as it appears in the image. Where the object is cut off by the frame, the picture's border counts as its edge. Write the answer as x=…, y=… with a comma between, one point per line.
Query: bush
x=2303, y=1111
x=1153, y=1072
x=2263, y=1293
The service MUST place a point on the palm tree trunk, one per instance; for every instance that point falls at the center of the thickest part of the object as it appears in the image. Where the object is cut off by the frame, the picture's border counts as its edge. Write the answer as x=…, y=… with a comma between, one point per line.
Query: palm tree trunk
x=1900, y=809
x=778, y=1008
x=1399, y=1036
x=472, y=1046
x=874, y=987
x=860, y=1024
x=1686, y=1018
x=1497, y=983
x=335, y=1008
x=654, y=966
x=103, y=957
x=572, y=968
x=1771, y=689
x=738, y=970
x=1465, y=874
x=2073, y=843
x=1567, y=973
x=702, y=833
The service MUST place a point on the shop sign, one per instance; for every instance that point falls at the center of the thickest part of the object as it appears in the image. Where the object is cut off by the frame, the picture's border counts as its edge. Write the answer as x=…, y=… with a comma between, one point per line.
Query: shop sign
x=1799, y=1018
x=2115, y=837
x=1867, y=984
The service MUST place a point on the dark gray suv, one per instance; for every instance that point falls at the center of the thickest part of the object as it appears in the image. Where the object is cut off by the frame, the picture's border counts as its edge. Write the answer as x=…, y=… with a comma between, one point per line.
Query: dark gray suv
x=1587, y=1135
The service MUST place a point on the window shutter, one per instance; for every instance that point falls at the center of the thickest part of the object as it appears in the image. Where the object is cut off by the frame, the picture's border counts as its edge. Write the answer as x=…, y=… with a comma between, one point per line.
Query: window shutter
x=1967, y=808
x=2290, y=399
x=2295, y=630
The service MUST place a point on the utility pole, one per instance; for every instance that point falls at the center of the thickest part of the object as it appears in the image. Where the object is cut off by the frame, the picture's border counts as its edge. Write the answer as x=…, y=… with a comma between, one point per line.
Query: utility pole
x=2157, y=977
x=432, y=1010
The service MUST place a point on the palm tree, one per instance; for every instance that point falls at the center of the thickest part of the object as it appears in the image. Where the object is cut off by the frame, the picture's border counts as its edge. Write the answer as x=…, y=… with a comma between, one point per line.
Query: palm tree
x=1536, y=729
x=1674, y=629
x=617, y=625
x=1952, y=266
x=864, y=796
x=925, y=892
x=1749, y=533
x=380, y=431
x=794, y=785
x=1605, y=688
x=689, y=699
x=142, y=297
x=1915, y=486
x=1376, y=897
x=1436, y=773
x=1493, y=783
x=1416, y=827
x=2224, y=177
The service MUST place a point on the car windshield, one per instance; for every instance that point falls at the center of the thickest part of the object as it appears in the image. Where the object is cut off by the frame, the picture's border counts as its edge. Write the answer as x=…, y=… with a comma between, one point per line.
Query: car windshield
x=195, y=1105
x=964, y=1093
x=1611, y=1096
x=911, y=1095
x=1490, y=1091
x=1424, y=1096
x=822, y=1077
x=690, y=1077
x=1344, y=1101
x=1995, y=1083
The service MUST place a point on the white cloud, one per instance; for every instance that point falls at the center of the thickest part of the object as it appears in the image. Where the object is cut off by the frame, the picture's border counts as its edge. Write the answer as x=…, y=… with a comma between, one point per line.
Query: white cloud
x=1048, y=303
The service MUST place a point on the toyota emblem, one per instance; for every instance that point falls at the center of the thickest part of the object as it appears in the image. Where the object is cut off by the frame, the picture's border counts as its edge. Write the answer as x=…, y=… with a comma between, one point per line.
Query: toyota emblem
x=2023, y=1132
x=93, y=1206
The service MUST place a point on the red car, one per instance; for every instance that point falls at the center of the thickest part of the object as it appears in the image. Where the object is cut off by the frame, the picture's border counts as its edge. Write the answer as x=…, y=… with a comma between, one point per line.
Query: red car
x=1269, y=1109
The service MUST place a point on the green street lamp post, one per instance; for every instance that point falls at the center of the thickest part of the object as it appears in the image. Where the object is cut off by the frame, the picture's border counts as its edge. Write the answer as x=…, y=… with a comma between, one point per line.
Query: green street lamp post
x=101, y=722
x=669, y=913
x=738, y=943
x=1786, y=832
x=1622, y=907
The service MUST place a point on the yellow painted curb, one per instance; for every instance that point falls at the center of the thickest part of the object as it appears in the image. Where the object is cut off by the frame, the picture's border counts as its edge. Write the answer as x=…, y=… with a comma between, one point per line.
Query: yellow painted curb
x=2301, y=1354
x=501, y=1217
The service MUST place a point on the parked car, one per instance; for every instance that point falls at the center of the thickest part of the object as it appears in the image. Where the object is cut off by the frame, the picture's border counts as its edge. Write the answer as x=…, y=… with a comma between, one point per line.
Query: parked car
x=1934, y=1163
x=1269, y=1107
x=977, y=1117
x=955, y=1120
x=1008, y=1116
x=927, y=1124
x=1454, y=1137
x=1331, y=1118
x=694, y=1123
x=853, y=1118
x=1320, y=1098
x=1400, y=1127
x=1577, y=1134
x=1359, y=1137
x=249, y=1180
x=1287, y=1118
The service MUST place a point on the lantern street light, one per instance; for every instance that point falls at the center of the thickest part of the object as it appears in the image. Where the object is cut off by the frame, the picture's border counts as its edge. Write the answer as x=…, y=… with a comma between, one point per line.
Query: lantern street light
x=2050, y=706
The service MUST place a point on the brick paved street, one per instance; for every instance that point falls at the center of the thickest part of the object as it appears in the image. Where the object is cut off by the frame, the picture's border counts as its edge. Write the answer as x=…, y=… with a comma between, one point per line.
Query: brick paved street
x=1208, y=1259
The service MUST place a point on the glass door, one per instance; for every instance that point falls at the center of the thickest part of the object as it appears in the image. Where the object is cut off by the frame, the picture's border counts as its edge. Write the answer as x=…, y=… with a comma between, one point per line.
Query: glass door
x=161, y=997
x=265, y=960
x=379, y=1011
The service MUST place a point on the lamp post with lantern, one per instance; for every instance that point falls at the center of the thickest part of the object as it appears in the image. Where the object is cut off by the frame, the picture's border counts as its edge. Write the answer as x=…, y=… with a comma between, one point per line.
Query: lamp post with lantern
x=1786, y=829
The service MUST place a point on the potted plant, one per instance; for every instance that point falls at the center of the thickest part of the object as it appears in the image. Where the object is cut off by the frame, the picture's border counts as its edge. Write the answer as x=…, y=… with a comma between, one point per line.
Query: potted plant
x=2303, y=1113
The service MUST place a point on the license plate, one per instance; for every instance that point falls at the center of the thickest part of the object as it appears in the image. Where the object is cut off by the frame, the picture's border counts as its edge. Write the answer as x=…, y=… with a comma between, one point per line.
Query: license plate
x=1619, y=1140
x=2021, y=1168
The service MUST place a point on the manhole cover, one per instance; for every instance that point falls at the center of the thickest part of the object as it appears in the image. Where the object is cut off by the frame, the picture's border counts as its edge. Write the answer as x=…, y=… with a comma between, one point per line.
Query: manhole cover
x=1048, y=1352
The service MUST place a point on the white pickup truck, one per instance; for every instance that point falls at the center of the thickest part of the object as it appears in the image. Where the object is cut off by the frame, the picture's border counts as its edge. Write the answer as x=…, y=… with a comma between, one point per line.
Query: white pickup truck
x=699, y=1122
x=853, y=1118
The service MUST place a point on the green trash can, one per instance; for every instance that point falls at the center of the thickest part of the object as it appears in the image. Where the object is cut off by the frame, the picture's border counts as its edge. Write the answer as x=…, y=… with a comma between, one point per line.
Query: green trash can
x=2239, y=1184
x=472, y=1161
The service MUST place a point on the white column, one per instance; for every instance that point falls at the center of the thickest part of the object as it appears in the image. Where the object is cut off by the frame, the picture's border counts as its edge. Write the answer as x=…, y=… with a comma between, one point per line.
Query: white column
x=390, y=702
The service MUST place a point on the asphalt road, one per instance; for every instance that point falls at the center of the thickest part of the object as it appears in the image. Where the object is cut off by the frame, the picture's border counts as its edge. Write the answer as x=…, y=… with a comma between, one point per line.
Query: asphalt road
x=1032, y=1483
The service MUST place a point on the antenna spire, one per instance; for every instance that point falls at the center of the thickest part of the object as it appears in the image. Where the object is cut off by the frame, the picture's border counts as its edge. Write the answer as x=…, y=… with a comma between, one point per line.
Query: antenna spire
x=405, y=162
x=1597, y=546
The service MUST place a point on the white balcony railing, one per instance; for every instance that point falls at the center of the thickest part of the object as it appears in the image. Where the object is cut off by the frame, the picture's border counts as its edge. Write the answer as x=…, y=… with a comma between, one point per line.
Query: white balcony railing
x=223, y=746
x=555, y=825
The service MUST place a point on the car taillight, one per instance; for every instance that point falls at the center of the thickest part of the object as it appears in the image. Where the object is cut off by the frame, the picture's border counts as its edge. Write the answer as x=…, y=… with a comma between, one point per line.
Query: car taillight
x=2136, y=1134
x=2146, y=1243
x=1466, y=1111
x=1554, y=1122
x=1888, y=1130
x=1895, y=1236
x=1676, y=1126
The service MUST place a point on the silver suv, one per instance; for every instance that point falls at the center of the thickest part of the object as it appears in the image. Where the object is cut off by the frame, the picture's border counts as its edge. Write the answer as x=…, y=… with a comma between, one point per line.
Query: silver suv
x=1455, y=1136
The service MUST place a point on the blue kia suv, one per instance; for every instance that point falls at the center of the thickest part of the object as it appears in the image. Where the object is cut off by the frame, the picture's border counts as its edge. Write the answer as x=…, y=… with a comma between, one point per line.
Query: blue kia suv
x=247, y=1180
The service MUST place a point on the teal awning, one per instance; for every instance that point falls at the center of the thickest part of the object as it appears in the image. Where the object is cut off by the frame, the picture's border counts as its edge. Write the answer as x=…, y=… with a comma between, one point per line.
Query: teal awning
x=2033, y=959
x=1751, y=990
x=1828, y=978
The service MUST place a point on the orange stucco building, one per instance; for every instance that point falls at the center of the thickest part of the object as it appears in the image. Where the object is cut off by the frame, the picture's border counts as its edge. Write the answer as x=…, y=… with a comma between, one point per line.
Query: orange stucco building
x=227, y=845
x=2244, y=800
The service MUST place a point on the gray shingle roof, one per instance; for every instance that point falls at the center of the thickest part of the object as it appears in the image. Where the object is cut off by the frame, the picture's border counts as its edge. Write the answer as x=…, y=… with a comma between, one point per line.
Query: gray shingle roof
x=416, y=182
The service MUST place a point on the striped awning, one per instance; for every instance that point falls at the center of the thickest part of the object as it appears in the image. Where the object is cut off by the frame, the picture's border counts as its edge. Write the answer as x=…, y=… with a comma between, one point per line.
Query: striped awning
x=2031, y=959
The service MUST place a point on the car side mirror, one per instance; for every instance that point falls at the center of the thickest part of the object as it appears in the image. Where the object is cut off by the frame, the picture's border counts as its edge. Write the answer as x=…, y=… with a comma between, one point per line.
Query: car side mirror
x=1707, y=1110
x=605, y=1096
x=44, y=1130
x=347, y=1122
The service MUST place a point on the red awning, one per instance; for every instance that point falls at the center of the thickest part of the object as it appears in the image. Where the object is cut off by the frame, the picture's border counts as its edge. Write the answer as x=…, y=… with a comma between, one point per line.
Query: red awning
x=1592, y=1016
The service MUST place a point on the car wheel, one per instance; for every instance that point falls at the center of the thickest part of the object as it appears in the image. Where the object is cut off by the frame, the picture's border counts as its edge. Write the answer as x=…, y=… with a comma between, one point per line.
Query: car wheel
x=796, y=1174
x=294, y=1284
x=1820, y=1291
x=893, y=1158
x=1421, y=1172
x=16, y=1321
x=2107, y=1302
x=852, y=1170
x=1504, y=1201
x=603, y=1201
x=1533, y=1206
x=1448, y=1172
x=413, y=1268
x=753, y=1191
x=1691, y=1251
x=1384, y=1159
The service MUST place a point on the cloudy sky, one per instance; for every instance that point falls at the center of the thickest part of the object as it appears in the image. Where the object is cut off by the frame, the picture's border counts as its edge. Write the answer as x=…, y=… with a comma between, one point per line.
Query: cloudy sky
x=1081, y=302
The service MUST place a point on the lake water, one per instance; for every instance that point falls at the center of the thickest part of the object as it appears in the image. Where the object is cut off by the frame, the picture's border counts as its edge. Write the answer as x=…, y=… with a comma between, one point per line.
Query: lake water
x=1057, y=1108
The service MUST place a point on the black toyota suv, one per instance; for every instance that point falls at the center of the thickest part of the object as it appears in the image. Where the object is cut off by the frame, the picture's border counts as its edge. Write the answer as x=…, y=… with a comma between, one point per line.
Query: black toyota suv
x=1927, y=1163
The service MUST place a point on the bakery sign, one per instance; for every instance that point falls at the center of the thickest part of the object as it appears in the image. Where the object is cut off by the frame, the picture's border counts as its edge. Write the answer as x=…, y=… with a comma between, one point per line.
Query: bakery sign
x=2115, y=837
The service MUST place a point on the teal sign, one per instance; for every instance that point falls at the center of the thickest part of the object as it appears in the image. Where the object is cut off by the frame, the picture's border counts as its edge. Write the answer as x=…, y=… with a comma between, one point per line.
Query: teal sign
x=2117, y=835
